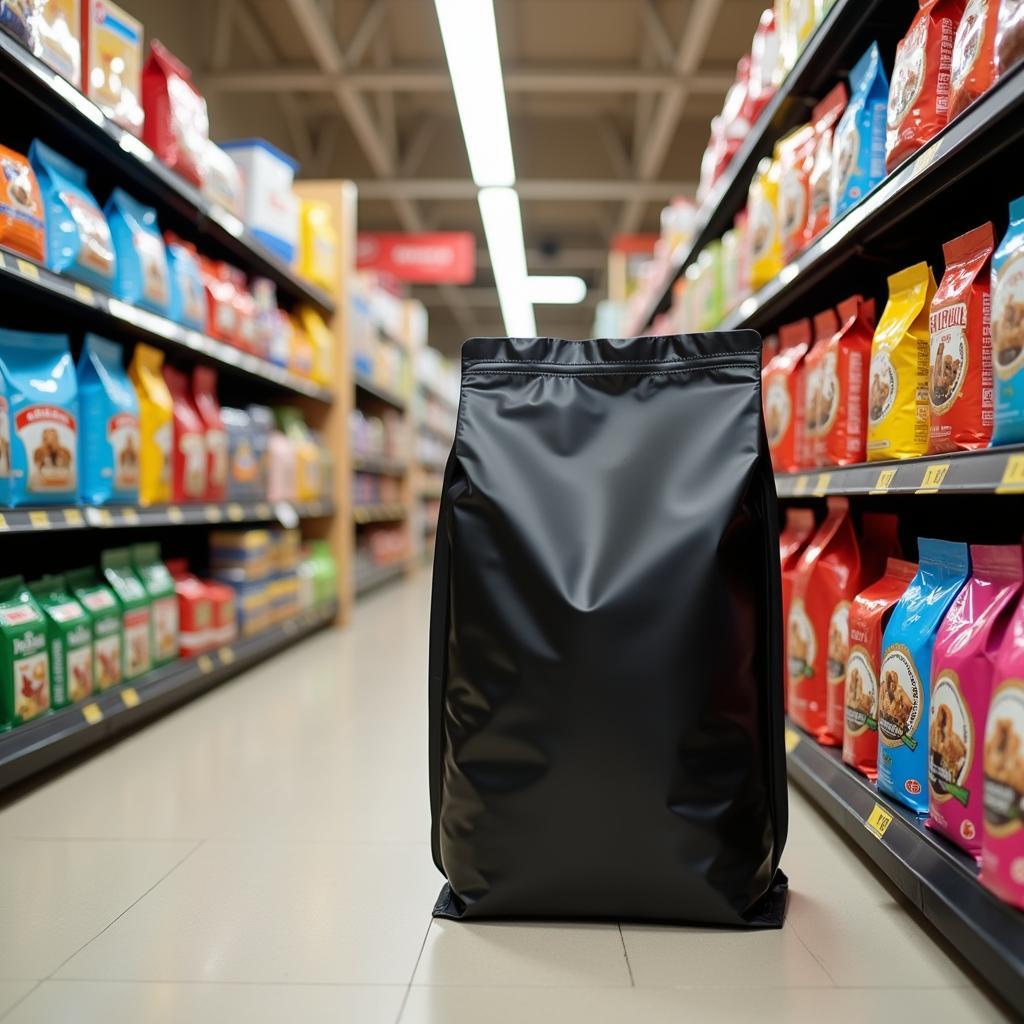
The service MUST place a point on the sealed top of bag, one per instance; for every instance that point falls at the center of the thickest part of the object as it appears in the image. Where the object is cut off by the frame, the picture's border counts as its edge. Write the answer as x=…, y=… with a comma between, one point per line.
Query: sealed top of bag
x=652, y=351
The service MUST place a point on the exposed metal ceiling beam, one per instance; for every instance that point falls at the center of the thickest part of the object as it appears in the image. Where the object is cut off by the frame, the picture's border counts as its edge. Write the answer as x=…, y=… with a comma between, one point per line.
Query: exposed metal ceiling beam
x=435, y=79
x=657, y=34
x=366, y=31
x=535, y=190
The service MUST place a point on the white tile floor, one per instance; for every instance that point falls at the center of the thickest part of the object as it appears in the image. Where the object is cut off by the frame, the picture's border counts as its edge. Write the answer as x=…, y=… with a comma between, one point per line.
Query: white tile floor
x=262, y=856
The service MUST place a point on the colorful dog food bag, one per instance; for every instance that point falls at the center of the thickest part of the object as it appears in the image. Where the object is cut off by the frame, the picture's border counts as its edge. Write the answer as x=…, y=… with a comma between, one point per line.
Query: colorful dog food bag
x=765, y=238
x=78, y=241
x=110, y=425
x=919, y=96
x=22, y=218
x=898, y=407
x=847, y=358
x=905, y=676
x=246, y=470
x=134, y=603
x=858, y=148
x=188, y=296
x=783, y=394
x=204, y=393
x=869, y=613
x=69, y=636
x=112, y=62
x=39, y=433
x=794, y=187
x=156, y=424
x=960, y=375
x=961, y=687
x=1002, y=845
x=188, y=457
x=159, y=586
x=60, y=23
x=1009, y=35
x=24, y=655
x=143, y=278
x=826, y=580
x=795, y=536
x=973, y=69
x=819, y=162
x=819, y=388
x=1008, y=329
x=105, y=614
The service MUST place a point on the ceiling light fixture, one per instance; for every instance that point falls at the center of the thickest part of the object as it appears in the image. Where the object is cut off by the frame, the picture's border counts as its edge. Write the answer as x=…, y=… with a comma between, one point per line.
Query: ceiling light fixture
x=503, y=227
x=556, y=289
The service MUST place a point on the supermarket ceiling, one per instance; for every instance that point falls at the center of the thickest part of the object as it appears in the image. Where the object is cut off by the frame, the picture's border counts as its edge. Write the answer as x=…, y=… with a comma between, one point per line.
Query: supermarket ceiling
x=609, y=104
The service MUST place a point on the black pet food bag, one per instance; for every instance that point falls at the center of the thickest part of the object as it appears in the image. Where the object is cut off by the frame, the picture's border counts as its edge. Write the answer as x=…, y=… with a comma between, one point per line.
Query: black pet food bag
x=606, y=731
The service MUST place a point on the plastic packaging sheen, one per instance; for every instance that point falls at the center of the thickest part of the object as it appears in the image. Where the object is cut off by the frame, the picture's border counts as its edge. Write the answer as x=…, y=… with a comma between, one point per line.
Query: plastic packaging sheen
x=783, y=391
x=552, y=539
x=142, y=275
x=973, y=70
x=1008, y=329
x=847, y=358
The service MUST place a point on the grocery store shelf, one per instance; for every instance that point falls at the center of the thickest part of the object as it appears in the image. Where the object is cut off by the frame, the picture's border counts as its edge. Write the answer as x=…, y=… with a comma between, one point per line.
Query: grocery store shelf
x=439, y=396
x=30, y=748
x=379, y=513
x=843, y=34
x=988, y=471
x=937, y=877
x=23, y=279
x=129, y=162
x=379, y=465
x=84, y=517
x=370, y=579
x=368, y=387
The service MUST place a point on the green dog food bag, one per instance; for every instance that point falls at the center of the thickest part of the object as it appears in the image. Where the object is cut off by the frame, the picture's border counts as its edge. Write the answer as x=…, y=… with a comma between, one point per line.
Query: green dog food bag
x=137, y=657
x=159, y=586
x=24, y=661
x=69, y=635
x=102, y=606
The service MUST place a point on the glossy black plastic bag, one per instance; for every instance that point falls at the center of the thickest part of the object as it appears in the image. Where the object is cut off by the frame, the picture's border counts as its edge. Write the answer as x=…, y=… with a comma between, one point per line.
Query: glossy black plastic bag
x=606, y=735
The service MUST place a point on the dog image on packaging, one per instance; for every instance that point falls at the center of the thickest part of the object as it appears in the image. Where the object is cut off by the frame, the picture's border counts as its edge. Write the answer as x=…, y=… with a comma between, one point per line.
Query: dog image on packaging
x=22, y=219
x=1008, y=329
x=110, y=425
x=105, y=615
x=39, y=433
x=24, y=655
x=783, y=393
x=134, y=604
x=189, y=458
x=962, y=666
x=142, y=275
x=905, y=677
x=69, y=636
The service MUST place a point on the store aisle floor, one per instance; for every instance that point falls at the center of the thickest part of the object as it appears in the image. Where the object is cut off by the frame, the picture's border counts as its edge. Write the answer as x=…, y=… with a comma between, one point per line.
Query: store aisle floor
x=262, y=856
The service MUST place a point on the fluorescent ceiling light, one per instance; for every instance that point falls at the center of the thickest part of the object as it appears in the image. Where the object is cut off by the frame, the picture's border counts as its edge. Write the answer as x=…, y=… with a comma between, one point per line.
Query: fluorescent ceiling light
x=503, y=226
x=474, y=63
x=556, y=289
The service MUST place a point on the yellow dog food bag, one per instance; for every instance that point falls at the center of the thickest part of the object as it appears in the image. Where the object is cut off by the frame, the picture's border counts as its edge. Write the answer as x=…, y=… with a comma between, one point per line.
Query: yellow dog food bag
x=156, y=425
x=898, y=409
x=765, y=237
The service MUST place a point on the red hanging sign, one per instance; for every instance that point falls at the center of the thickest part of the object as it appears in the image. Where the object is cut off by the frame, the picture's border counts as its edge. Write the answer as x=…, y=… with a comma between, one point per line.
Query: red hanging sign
x=439, y=257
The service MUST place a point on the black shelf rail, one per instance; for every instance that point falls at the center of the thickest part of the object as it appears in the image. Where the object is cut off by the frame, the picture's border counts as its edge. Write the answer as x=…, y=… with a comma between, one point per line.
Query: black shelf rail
x=838, y=41
x=132, y=163
x=26, y=280
x=38, y=745
x=114, y=517
x=364, y=514
x=368, y=387
x=969, y=142
x=986, y=471
x=940, y=879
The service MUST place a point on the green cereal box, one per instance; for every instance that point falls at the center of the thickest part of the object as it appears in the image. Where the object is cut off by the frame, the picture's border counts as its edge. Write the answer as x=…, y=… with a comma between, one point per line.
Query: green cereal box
x=135, y=611
x=159, y=586
x=24, y=660
x=69, y=635
x=103, y=608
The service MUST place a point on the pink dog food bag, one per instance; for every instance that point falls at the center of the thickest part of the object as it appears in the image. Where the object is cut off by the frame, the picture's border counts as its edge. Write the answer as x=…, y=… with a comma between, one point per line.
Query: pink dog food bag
x=961, y=682
x=1002, y=849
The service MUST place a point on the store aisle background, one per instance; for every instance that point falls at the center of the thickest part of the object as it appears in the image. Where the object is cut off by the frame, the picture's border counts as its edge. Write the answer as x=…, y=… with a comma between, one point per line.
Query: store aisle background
x=262, y=855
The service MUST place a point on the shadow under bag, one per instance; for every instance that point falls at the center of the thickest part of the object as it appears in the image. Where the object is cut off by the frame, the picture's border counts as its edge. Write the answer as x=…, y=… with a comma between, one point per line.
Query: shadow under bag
x=606, y=730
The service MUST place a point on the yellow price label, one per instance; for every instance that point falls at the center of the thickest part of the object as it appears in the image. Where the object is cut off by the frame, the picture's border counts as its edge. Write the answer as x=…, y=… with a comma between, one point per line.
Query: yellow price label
x=84, y=292
x=1013, y=475
x=926, y=159
x=821, y=487
x=884, y=481
x=130, y=697
x=103, y=516
x=933, y=477
x=28, y=269
x=800, y=487
x=205, y=663
x=878, y=820
x=3, y=521
x=263, y=510
x=235, y=512
x=39, y=518
x=92, y=713
x=226, y=655
x=175, y=515
x=792, y=740
x=129, y=516
x=73, y=517
x=214, y=514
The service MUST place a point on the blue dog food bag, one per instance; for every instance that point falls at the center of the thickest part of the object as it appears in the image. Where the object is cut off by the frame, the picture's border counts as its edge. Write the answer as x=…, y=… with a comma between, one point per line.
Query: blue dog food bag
x=110, y=425
x=188, y=293
x=40, y=427
x=905, y=676
x=142, y=275
x=78, y=241
x=1008, y=329
x=858, y=154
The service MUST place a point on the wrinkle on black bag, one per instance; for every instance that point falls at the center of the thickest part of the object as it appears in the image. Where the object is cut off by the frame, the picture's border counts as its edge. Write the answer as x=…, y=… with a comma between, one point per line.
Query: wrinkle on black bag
x=606, y=733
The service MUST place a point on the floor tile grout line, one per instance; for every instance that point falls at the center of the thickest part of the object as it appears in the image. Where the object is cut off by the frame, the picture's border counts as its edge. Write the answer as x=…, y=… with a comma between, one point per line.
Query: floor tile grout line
x=167, y=874
x=10, y=1009
x=412, y=976
x=625, y=954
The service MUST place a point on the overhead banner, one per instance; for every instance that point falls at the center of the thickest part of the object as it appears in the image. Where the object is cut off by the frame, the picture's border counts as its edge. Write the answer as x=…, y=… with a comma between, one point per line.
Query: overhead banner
x=437, y=257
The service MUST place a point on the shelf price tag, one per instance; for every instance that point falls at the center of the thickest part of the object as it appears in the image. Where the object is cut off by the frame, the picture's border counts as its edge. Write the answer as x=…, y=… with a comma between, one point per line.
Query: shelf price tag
x=73, y=517
x=226, y=655
x=129, y=517
x=205, y=663
x=28, y=269
x=3, y=521
x=792, y=740
x=800, y=487
x=175, y=515
x=933, y=477
x=263, y=510
x=92, y=713
x=884, y=481
x=1012, y=481
x=130, y=697
x=39, y=518
x=821, y=487
x=878, y=820
x=926, y=159
x=84, y=292
x=214, y=514
x=286, y=515
x=235, y=512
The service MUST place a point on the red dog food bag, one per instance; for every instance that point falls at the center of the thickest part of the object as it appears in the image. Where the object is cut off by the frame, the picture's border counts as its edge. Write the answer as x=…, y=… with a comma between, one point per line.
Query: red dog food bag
x=973, y=71
x=919, y=93
x=818, y=164
x=204, y=394
x=819, y=389
x=847, y=359
x=961, y=685
x=188, y=454
x=1009, y=35
x=795, y=535
x=869, y=613
x=960, y=370
x=827, y=578
x=783, y=396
